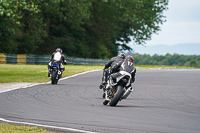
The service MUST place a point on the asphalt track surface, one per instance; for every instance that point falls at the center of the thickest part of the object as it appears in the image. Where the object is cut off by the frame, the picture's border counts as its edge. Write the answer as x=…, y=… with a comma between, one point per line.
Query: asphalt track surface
x=163, y=101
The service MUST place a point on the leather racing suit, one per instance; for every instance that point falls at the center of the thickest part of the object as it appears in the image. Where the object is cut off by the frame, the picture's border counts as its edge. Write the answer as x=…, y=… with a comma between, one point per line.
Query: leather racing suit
x=115, y=61
x=125, y=66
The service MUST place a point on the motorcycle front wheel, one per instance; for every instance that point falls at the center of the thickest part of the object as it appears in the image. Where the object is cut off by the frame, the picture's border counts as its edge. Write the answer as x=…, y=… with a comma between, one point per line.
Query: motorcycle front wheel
x=117, y=96
x=105, y=102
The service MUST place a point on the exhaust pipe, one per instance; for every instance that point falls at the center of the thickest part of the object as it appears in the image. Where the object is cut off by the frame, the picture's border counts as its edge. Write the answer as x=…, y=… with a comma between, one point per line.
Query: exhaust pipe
x=127, y=93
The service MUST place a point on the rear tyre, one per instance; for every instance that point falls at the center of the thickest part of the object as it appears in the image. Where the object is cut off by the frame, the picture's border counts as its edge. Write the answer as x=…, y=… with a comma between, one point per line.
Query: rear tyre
x=53, y=77
x=117, y=96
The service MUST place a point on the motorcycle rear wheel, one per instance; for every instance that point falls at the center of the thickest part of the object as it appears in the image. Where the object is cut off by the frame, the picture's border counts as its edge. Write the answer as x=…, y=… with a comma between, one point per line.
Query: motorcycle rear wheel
x=117, y=96
x=53, y=77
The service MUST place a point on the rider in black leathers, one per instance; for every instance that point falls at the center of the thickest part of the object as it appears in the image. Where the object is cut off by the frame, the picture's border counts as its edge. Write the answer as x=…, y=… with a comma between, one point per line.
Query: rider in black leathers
x=127, y=66
x=112, y=63
x=61, y=60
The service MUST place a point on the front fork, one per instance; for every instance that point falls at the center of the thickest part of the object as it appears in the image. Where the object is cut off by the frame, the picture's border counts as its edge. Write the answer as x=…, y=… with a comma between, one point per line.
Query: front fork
x=106, y=96
x=108, y=88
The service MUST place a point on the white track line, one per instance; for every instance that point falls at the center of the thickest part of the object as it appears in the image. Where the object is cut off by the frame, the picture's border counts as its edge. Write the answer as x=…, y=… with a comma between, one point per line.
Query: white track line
x=34, y=84
x=47, y=126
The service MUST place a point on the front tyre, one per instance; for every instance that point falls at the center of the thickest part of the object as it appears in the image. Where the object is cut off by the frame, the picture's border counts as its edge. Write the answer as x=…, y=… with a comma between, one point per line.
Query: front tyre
x=117, y=96
x=105, y=102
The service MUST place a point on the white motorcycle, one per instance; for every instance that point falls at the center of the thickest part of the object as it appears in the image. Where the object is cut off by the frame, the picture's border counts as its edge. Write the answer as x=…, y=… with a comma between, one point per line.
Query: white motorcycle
x=116, y=91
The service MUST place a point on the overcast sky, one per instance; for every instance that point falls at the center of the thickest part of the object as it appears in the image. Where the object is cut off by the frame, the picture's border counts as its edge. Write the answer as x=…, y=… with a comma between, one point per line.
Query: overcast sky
x=182, y=25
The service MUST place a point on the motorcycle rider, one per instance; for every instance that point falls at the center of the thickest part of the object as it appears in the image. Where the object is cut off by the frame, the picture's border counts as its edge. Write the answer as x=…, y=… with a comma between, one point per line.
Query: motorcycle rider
x=115, y=61
x=127, y=66
x=59, y=57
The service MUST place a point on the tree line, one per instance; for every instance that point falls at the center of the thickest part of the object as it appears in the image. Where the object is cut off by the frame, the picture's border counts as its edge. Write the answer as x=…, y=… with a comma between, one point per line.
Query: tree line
x=82, y=28
x=168, y=59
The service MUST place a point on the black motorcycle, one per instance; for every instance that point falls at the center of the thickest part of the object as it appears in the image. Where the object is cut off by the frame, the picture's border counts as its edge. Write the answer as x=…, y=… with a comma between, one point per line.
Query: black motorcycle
x=115, y=91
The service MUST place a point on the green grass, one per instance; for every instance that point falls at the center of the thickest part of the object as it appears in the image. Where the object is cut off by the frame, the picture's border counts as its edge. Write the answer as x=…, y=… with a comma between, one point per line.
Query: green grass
x=9, y=128
x=36, y=73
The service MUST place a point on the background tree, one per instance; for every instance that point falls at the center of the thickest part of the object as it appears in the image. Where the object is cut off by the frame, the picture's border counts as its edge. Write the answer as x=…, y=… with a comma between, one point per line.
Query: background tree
x=18, y=20
x=82, y=28
x=168, y=59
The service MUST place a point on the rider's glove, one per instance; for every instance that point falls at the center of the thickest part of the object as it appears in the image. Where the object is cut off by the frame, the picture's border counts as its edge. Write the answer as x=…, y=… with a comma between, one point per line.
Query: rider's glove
x=109, y=71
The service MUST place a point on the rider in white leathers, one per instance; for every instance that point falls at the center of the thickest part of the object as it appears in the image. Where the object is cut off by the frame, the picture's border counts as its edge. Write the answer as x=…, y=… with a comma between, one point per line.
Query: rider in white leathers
x=58, y=57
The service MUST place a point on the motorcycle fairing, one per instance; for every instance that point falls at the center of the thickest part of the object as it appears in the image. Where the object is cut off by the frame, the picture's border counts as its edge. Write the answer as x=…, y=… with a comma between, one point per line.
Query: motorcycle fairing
x=126, y=75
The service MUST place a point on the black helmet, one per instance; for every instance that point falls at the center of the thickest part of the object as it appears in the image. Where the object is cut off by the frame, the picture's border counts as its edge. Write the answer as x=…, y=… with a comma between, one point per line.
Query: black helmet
x=122, y=55
x=59, y=50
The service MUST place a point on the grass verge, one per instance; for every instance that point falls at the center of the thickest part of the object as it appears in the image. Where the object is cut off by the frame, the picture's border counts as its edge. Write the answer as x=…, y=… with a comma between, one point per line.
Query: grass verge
x=36, y=73
x=9, y=128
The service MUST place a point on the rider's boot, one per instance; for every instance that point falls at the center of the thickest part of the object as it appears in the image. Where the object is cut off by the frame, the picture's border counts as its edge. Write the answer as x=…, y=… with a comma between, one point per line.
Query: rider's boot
x=103, y=83
x=61, y=70
x=49, y=73
x=104, y=79
x=49, y=69
x=59, y=73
